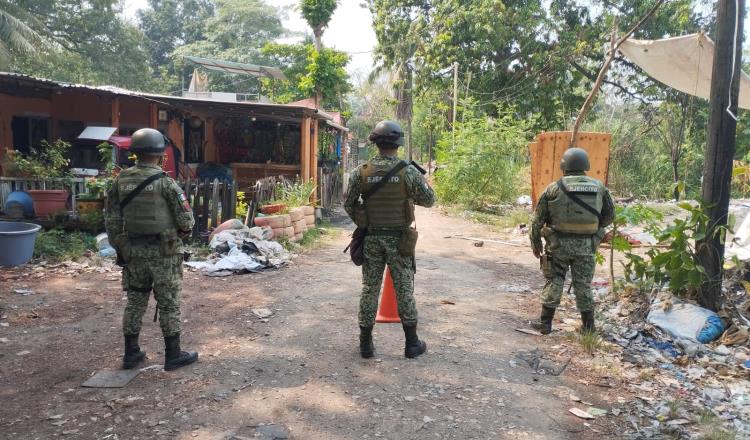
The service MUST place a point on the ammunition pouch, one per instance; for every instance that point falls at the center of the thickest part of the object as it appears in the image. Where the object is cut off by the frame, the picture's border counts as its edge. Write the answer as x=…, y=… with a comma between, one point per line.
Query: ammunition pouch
x=360, y=216
x=551, y=237
x=407, y=244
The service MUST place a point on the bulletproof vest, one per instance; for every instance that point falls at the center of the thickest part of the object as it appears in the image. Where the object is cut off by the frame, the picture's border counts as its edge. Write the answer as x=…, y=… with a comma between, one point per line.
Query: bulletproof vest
x=570, y=217
x=389, y=206
x=148, y=212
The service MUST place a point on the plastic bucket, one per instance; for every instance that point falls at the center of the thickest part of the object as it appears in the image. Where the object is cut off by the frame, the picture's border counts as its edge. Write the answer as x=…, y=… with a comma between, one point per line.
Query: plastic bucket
x=17, y=242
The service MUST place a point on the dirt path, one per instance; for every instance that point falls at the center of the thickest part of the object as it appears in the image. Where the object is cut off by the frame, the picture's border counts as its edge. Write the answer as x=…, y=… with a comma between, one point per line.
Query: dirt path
x=299, y=374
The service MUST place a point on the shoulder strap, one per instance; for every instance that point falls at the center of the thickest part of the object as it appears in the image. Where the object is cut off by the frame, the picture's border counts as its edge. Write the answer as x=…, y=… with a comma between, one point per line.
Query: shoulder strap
x=379, y=184
x=576, y=199
x=141, y=186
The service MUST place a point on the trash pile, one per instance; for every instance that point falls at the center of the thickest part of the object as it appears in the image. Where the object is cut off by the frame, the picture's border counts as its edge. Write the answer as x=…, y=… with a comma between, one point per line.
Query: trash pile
x=687, y=367
x=239, y=249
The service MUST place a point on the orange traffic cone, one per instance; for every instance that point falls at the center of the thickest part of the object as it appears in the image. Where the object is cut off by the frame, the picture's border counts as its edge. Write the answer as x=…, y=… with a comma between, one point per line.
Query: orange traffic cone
x=387, y=309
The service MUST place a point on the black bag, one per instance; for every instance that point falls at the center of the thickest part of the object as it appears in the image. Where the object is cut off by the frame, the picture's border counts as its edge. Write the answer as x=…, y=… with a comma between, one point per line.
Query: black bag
x=356, y=247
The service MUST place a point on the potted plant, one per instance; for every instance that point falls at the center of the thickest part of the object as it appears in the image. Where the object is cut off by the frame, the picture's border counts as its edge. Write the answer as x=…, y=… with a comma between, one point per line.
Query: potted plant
x=92, y=200
x=50, y=164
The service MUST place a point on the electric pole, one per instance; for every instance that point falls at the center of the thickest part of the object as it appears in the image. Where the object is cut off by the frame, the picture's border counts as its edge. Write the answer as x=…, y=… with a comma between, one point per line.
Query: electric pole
x=455, y=103
x=722, y=126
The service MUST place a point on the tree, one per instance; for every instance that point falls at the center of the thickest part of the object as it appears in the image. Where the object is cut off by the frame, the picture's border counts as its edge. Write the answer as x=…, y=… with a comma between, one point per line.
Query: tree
x=326, y=76
x=236, y=32
x=91, y=44
x=18, y=33
x=169, y=24
x=317, y=14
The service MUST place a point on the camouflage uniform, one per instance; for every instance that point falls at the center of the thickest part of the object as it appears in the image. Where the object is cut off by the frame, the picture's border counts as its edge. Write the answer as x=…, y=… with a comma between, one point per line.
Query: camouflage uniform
x=568, y=250
x=153, y=262
x=380, y=248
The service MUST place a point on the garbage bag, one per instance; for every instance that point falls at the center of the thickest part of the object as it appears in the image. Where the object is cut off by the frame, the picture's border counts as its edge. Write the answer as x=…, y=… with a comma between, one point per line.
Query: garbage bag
x=686, y=321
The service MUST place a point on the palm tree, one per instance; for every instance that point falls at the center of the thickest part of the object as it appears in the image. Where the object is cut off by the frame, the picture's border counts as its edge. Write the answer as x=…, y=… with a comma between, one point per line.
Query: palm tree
x=17, y=33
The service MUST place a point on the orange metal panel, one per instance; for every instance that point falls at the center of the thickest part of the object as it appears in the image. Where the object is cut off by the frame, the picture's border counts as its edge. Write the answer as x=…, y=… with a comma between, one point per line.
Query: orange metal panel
x=545, y=163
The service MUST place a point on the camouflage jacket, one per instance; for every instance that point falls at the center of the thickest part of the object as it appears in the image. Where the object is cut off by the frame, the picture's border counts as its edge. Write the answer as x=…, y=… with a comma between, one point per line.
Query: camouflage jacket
x=417, y=188
x=541, y=219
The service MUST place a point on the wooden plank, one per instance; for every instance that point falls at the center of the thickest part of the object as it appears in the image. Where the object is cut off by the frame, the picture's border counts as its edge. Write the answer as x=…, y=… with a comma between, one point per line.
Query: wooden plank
x=214, y=203
x=205, y=198
x=305, y=149
x=233, y=198
x=193, y=196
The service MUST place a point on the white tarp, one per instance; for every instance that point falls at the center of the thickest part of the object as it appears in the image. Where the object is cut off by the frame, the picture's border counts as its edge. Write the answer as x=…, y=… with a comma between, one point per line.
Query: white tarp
x=683, y=63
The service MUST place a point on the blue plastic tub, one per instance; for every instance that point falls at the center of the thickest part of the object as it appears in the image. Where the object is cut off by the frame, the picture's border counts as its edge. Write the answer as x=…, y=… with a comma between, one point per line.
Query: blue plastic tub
x=19, y=204
x=17, y=242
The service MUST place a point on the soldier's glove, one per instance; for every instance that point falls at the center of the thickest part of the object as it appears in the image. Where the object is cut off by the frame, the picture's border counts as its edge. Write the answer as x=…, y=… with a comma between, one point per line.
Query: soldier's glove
x=537, y=249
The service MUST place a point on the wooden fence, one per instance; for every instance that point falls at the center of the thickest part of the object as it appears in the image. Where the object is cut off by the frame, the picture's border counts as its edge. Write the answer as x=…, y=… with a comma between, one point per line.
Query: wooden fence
x=330, y=188
x=10, y=184
x=213, y=203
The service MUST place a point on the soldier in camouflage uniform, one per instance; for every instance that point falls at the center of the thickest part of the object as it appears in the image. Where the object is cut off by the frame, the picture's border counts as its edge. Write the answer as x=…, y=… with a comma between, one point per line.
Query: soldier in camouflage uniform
x=145, y=227
x=572, y=219
x=388, y=215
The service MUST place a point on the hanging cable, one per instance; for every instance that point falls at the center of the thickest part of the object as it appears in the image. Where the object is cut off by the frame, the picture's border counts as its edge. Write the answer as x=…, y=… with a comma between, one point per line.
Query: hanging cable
x=734, y=56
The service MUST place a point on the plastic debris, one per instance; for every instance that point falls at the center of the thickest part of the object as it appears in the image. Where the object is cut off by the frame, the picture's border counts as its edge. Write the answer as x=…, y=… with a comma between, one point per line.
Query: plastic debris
x=580, y=413
x=686, y=321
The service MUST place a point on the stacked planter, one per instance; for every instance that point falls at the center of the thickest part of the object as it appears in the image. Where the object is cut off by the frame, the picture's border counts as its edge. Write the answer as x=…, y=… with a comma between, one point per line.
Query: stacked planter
x=298, y=222
x=280, y=224
x=309, y=216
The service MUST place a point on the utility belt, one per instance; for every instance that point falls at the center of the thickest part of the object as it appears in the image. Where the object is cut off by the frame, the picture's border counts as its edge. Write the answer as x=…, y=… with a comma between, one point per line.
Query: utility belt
x=144, y=239
x=386, y=232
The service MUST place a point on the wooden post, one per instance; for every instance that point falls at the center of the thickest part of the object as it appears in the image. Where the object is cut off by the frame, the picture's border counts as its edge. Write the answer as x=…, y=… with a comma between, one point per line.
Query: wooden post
x=114, y=117
x=722, y=126
x=314, y=158
x=153, y=116
x=304, y=154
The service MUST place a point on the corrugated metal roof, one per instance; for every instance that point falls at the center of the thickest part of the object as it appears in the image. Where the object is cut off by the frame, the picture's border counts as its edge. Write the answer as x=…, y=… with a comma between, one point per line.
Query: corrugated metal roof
x=164, y=99
x=238, y=68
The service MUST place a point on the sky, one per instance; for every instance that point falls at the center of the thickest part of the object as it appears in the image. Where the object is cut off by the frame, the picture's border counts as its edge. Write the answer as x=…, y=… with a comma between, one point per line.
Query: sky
x=350, y=29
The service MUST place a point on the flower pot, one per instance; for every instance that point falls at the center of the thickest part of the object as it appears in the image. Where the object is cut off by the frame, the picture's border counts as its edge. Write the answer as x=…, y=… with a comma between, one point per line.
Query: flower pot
x=49, y=201
x=88, y=206
x=272, y=209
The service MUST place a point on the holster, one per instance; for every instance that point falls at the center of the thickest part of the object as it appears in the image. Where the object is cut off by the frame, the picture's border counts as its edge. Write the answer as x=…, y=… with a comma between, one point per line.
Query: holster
x=407, y=244
x=545, y=263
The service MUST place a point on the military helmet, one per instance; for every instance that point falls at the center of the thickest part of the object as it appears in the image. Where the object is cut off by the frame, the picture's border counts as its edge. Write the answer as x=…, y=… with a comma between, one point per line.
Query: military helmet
x=575, y=159
x=148, y=141
x=387, y=132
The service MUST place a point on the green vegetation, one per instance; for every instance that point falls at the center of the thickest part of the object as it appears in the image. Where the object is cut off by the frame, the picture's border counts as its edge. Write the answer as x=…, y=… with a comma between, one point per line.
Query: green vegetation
x=485, y=165
x=294, y=194
x=590, y=341
x=58, y=245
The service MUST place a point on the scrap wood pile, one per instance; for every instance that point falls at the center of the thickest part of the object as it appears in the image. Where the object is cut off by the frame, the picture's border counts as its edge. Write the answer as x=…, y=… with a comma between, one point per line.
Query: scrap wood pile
x=686, y=367
x=240, y=249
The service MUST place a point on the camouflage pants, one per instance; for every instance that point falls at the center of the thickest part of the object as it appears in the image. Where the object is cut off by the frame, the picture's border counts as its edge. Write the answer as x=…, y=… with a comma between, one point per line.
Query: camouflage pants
x=164, y=277
x=379, y=251
x=578, y=255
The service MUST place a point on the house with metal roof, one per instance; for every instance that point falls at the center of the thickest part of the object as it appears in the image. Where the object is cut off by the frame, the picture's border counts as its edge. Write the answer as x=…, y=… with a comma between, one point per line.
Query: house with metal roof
x=254, y=139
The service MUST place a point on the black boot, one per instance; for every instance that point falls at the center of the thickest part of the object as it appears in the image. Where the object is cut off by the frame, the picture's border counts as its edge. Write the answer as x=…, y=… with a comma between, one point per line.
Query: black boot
x=545, y=322
x=174, y=357
x=414, y=347
x=587, y=319
x=366, y=347
x=133, y=354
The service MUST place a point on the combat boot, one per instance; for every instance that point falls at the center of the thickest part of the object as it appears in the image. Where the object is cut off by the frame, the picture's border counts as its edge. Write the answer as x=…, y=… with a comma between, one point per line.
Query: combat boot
x=587, y=319
x=545, y=322
x=366, y=347
x=133, y=354
x=174, y=357
x=414, y=347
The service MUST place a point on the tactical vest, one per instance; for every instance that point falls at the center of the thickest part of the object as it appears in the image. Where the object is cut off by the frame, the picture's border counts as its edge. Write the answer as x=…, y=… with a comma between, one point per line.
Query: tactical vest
x=389, y=206
x=568, y=216
x=148, y=212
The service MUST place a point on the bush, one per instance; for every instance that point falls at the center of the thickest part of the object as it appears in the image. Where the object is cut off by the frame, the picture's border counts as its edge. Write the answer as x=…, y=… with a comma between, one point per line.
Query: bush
x=58, y=245
x=485, y=165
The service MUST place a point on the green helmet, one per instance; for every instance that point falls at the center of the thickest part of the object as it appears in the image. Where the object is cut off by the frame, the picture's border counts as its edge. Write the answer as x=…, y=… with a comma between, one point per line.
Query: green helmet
x=387, y=132
x=575, y=159
x=148, y=141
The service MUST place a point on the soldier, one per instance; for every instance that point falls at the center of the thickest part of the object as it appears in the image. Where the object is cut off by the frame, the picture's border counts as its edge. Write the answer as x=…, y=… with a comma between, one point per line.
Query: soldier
x=388, y=212
x=147, y=213
x=571, y=215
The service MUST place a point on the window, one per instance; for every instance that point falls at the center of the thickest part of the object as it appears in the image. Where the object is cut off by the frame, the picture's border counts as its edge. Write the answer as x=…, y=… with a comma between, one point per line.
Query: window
x=29, y=132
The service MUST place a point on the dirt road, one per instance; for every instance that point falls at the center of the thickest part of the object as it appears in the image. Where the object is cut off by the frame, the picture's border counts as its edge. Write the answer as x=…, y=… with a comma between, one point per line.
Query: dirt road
x=299, y=375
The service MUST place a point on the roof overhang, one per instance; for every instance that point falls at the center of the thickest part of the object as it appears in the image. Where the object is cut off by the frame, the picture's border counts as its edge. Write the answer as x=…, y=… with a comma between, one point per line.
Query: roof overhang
x=237, y=68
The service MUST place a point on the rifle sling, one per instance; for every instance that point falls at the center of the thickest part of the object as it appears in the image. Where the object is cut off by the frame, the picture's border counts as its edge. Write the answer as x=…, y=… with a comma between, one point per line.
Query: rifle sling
x=379, y=184
x=141, y=186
